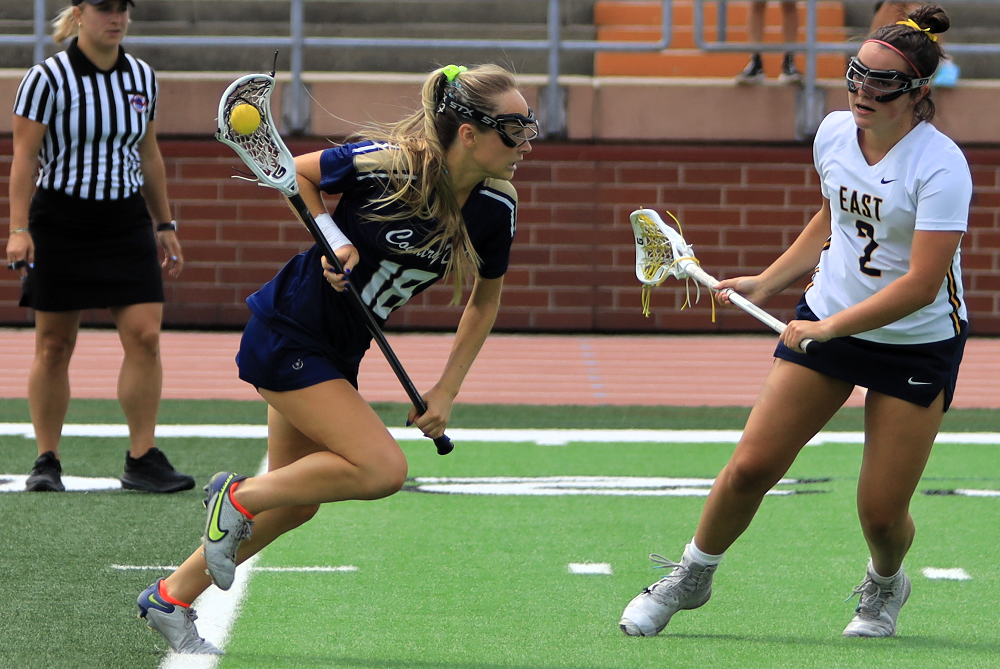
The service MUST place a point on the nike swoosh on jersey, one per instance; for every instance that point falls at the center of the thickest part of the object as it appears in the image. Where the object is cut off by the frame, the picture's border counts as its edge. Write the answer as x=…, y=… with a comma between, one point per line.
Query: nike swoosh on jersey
x=918, y=383
x=889, y=181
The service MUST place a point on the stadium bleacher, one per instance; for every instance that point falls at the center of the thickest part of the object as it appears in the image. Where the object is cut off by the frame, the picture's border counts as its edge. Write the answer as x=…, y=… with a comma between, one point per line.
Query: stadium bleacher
x=974, y=21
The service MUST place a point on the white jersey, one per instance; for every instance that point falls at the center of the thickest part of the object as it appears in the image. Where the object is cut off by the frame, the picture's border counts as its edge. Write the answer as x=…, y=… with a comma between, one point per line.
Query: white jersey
x=923, y=183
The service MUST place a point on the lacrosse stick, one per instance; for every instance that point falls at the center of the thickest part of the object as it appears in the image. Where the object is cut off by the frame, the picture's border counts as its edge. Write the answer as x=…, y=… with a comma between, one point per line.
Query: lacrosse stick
x=661, y=251
x=269, y=159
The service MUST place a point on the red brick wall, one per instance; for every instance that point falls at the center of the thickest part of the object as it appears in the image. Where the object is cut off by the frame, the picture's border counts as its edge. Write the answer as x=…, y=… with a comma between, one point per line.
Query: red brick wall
x=572, y=266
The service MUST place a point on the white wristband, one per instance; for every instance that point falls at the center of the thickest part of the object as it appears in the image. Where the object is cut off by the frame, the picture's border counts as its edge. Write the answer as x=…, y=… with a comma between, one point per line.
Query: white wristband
x=333, y=235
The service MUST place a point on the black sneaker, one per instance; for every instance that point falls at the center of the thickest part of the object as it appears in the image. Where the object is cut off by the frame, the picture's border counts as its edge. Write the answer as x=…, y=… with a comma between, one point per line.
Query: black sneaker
x=789, y=73
x=753, y=73
x=46, y=474
x=154, y=473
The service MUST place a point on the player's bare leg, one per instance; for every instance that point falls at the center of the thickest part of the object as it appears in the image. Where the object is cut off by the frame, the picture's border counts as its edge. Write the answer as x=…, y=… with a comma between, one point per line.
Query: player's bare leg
x=373, y=467
x=898, y=440
x=794, y=404
x=360, y=460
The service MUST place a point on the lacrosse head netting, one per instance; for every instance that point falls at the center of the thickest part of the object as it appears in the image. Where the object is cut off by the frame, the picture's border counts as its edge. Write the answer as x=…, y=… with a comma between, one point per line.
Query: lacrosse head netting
x=262, y=150
x=660, y=251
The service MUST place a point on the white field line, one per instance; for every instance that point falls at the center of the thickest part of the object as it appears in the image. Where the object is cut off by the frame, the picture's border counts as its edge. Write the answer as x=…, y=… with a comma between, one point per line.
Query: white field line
x=541, y=437
x=590, y=568
x=972, y=492
x=173, y=567
x=15, y=483
x=622, y=486
x=951, y=574
x=217, y=612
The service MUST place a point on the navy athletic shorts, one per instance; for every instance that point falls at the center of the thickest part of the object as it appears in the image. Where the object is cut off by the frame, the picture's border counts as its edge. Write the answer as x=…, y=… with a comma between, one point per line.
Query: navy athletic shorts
x=271, y=360
x=915, y=373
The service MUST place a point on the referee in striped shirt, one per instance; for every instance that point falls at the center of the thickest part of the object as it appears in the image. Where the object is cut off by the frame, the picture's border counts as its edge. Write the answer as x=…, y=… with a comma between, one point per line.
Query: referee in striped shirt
x=88, y=214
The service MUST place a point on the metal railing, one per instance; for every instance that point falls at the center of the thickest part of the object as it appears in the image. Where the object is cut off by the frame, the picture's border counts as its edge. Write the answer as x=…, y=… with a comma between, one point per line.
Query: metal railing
x=553, y=103
x=552, y=112
x=811, y=102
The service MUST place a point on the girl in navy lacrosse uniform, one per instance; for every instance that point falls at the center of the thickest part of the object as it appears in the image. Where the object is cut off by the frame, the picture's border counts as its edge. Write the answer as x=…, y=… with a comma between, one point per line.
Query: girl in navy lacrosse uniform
x=420, y=199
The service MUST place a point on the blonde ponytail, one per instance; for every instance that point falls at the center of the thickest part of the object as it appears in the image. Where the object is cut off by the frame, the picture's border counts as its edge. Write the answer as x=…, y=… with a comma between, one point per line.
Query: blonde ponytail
x=64, y=25
x=417, y=172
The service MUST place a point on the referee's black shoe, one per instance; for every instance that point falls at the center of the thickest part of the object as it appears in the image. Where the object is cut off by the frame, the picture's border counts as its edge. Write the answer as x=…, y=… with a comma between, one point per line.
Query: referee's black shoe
x=153, y=473
x=46, y=474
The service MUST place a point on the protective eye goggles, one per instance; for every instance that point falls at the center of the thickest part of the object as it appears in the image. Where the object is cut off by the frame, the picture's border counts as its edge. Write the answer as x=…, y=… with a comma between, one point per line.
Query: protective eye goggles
x=882, y=85
x=514, y=129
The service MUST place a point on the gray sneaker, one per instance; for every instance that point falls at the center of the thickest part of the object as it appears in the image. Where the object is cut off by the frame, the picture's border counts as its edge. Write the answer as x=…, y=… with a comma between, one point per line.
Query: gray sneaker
x=688, y=586
x=878, y=606
x=225, y=528
x=174, y=622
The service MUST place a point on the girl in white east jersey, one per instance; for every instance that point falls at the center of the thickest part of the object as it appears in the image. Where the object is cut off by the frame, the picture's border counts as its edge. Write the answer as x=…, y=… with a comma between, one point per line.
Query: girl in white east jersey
x=886, y=300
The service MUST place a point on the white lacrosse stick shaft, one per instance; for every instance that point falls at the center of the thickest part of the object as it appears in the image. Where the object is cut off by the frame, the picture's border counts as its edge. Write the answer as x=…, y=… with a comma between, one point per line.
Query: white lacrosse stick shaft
x=695, y=271
x=704, y=278
x=688, y=265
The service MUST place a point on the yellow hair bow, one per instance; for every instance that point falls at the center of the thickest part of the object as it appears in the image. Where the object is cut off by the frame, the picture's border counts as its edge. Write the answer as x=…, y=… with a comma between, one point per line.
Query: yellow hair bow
x=913, y=24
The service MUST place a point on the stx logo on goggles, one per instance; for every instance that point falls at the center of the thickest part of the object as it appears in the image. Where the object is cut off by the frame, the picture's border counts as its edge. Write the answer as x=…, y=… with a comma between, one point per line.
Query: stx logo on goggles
x=514, y=129
x=468, y=112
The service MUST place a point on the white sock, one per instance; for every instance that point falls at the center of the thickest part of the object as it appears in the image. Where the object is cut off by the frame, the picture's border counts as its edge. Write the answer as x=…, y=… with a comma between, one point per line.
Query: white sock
x=701, y=557
x=879, y=579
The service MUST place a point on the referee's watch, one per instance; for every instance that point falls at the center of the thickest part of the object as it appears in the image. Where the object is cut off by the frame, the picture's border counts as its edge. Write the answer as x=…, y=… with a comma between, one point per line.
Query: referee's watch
x=167, y=227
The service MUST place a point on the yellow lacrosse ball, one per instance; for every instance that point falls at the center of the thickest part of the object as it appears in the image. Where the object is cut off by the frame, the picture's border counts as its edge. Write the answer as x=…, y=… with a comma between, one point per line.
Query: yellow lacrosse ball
x=244, y=118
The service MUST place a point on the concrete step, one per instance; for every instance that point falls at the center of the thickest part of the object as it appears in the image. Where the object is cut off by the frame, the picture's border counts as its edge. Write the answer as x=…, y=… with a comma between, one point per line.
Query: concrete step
x=364, y=11
x=346, y=11
x=682, y=37
x=692, y=63
x=641, y=21
x=973, y=21
x=647, y=12
x=446, y=19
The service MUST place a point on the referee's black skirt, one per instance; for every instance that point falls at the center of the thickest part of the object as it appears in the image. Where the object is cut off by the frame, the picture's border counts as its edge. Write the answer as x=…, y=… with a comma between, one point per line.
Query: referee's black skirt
x=915, y=373
x=91, y=254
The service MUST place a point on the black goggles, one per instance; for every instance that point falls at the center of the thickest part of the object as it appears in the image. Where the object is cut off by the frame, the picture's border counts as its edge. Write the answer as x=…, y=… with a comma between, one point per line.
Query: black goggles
x=882, y=85
x=514, y=129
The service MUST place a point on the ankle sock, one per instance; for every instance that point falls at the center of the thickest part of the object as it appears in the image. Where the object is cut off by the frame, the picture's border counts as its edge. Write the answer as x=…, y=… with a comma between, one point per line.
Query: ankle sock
x=701, y=557
x=162, y=590
x=879, y=579
x=239, y=507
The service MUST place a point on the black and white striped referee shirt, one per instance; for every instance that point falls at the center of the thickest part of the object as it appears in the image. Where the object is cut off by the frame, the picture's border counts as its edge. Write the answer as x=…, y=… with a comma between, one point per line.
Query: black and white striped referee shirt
x=95, y=121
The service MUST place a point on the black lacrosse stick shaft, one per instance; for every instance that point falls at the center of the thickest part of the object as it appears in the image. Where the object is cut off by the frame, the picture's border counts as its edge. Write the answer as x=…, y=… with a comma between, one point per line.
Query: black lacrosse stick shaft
x=443, y=443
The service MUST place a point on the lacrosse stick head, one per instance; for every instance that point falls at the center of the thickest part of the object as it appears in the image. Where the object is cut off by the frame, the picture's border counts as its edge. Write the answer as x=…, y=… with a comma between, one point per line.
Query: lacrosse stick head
x=262, y=150
x=659, y=249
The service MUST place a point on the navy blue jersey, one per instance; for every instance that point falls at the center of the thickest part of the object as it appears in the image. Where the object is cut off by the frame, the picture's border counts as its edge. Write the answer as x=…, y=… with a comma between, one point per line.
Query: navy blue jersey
x=299, y=302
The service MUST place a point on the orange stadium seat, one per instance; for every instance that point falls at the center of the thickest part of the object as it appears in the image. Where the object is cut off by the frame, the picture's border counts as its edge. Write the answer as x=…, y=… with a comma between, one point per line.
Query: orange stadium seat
x=639, y=21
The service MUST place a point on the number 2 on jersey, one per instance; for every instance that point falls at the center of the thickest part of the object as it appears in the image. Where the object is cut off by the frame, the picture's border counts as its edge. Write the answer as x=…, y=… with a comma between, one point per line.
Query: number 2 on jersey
x=866, y=229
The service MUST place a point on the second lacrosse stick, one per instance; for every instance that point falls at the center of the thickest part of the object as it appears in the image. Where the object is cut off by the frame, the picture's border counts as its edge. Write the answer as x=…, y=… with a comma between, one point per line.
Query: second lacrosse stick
x=661, y=251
